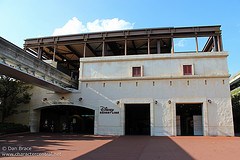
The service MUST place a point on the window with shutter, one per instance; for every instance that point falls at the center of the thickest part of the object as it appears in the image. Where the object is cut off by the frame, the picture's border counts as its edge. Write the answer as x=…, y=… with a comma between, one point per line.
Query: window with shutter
x=187, y=69
x=136, y=71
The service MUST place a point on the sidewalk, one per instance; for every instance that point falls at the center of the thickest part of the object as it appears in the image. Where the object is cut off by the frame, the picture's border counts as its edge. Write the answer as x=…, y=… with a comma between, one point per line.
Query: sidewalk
x=84, y=147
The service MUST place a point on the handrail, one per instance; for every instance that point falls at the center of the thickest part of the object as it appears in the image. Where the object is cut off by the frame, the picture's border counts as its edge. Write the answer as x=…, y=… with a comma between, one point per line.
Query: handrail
x=16, y=58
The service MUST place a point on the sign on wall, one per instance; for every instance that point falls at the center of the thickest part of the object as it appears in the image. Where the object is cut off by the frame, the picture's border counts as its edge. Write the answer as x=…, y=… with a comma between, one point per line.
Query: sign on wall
x=106, y=110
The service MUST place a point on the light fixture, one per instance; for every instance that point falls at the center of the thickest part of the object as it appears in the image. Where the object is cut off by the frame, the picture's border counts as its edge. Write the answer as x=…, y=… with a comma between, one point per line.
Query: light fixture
x=117, y=102
x=80, y=99
x=169, y=101
x=156, y=102
x=164, y=43
x=209, y=101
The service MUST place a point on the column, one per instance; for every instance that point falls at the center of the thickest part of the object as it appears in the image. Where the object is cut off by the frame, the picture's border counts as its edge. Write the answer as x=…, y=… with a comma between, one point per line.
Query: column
x=149, y=49
x=34, y=120
x=103, y=48
x=172, y=49
x=84, y=49
x=125, y=47
x=196, y=43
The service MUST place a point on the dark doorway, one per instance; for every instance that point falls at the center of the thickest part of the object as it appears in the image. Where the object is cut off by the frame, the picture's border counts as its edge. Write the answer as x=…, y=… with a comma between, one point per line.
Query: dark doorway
x=189, y=119
x=137, y=119
x=67, y=119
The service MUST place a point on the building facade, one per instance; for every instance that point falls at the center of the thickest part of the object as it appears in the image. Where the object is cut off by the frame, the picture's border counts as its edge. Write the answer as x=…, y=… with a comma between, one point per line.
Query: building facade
x=135, y=82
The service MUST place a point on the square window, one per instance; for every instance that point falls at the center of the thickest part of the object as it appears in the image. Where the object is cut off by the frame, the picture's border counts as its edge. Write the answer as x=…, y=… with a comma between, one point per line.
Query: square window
x=187, y=69
x=136, y=71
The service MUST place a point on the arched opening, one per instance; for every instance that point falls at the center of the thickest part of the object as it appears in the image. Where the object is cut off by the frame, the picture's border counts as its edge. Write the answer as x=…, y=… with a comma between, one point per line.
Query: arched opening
x=67, y=119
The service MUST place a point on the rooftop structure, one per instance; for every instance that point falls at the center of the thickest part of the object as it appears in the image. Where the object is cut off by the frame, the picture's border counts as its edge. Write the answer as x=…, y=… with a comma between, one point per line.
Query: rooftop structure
x=68, y=49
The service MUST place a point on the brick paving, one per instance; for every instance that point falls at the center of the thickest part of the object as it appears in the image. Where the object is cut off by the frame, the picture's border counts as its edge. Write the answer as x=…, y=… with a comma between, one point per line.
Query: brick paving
x=84, y=147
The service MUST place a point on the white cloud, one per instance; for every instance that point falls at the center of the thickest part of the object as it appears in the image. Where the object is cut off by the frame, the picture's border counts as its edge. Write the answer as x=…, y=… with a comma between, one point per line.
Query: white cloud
x=108, y=25
x=74, y=26
x=180, y=43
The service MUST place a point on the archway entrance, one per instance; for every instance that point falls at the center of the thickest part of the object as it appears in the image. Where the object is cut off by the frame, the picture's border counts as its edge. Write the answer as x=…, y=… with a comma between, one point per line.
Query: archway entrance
x=67, y=119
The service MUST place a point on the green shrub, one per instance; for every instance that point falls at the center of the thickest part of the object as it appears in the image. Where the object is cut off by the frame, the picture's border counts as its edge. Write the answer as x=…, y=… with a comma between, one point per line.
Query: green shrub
x=6, y=128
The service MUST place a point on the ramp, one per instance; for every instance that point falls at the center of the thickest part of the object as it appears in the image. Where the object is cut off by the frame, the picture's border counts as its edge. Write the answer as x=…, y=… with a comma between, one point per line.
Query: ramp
x=17, y=63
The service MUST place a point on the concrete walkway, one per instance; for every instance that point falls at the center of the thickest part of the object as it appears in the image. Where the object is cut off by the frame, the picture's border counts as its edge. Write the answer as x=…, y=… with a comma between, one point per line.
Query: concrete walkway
x=83, y=147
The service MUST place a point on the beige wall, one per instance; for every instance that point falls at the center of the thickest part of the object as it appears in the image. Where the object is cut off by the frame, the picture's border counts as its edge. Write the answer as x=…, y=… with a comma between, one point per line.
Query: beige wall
x=105, y=81
x=205, y=64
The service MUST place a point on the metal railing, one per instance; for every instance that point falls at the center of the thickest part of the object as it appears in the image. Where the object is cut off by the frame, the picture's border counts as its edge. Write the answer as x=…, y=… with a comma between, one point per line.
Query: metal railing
x=19, y=64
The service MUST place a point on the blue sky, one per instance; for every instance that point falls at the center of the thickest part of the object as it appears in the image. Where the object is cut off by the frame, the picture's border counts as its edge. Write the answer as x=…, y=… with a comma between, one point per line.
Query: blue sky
x=22, y=19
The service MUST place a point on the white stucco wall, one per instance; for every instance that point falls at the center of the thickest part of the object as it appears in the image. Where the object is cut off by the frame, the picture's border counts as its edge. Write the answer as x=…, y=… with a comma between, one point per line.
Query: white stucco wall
x=100, y=80
x=107, y=81
x=218, y=120
x=154, y=65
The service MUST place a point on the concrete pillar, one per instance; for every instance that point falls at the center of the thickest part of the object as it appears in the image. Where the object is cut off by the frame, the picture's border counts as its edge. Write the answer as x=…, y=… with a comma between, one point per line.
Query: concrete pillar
x=149, y=49
x=172, y=48
x=103, y=49
x=84, y=50
x=34, y=120
x=196, y=44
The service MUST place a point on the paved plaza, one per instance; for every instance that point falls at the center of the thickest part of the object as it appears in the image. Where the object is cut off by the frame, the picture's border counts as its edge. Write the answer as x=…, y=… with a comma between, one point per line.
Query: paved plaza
x=72, y=146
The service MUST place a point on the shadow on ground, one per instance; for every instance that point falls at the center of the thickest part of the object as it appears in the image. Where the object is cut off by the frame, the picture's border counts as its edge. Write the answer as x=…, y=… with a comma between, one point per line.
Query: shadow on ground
x=84, y=147
x=44, y=142
x=138, y=148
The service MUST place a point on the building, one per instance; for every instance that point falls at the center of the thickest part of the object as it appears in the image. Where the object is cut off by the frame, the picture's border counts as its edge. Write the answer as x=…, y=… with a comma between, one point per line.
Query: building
x=235, y=81
x=235, y=94
x=132, y=82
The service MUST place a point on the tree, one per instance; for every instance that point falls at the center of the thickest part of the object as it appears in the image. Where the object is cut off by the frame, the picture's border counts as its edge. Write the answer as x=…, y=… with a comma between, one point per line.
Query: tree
x=12, y=93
